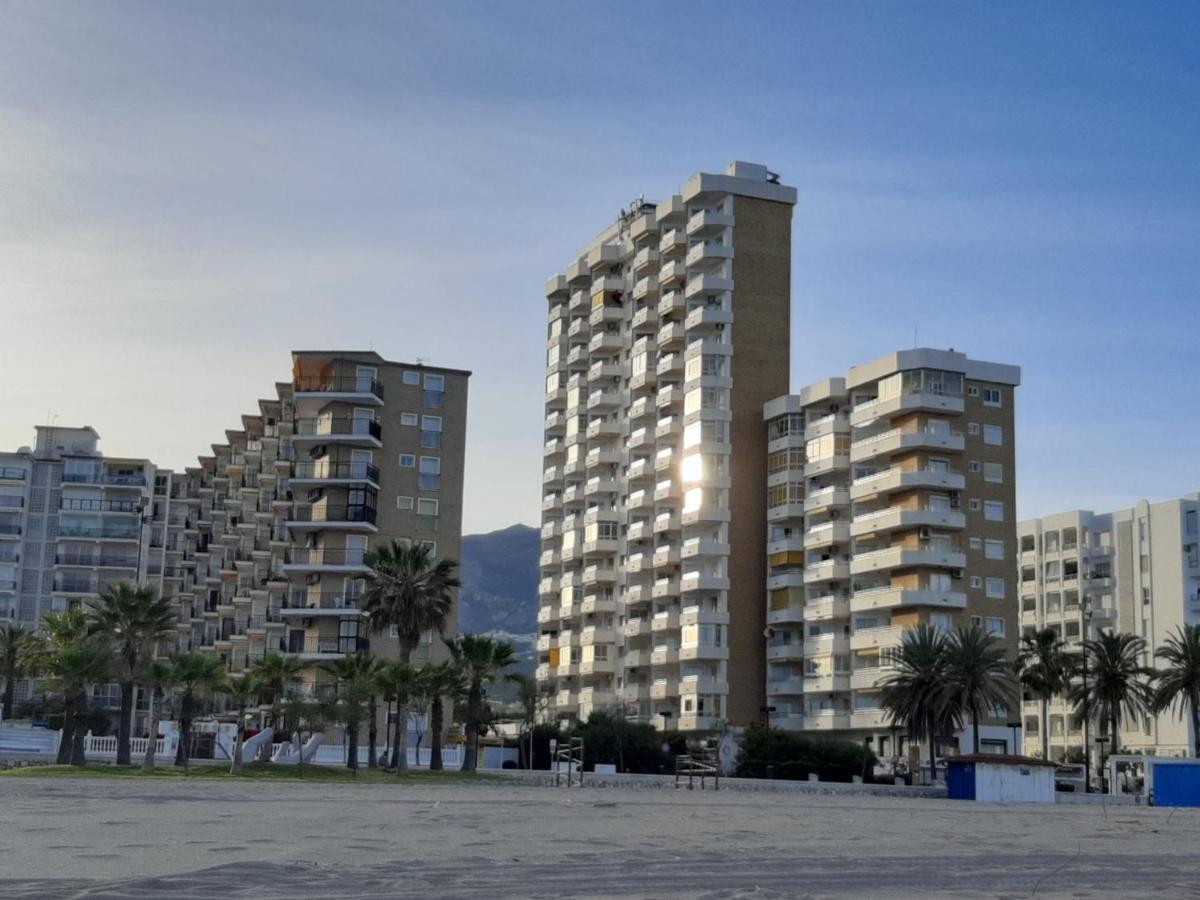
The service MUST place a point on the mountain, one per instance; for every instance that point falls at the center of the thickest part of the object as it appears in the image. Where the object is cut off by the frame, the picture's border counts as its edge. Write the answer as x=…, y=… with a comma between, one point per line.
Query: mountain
x=499, y=572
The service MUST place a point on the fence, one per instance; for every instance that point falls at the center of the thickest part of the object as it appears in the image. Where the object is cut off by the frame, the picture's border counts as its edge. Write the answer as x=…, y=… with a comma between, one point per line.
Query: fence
x=337, y=754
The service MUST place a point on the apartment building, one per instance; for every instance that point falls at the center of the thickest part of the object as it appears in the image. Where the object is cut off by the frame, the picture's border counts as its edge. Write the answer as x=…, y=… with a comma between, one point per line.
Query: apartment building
x=72, y=521
x=1134, y=570
x=665, y=336
x=890, y=503
x=266, y=537
x=262, y=543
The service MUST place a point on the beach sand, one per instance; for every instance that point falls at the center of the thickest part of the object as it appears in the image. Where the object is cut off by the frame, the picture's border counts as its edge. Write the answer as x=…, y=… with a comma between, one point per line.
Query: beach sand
x=117, y=838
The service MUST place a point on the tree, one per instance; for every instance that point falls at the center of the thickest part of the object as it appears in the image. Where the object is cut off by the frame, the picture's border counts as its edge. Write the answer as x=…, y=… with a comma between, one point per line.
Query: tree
x=196, y=675
x=159, y=677
x=274, y=672
x=355, y=681
x=441, y=680
x=241, y=692
x=75, y=669
x=1179, y=680
x=59, y=633
x=976, y=675
x=133, y=619
x=915, y=694
x=532, y=700
x=1044, y=667
x=13, y=664
x=398, y=680
x=310, y=715
x=409, y=591
x=480, y=660
x=1118, y=685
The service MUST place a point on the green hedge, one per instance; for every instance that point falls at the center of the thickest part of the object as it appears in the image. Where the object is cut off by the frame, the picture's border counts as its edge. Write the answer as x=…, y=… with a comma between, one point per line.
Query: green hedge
x=796, y=756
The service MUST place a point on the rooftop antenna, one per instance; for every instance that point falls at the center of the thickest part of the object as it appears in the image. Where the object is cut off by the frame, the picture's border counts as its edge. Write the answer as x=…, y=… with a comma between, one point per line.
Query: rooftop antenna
x=914, y=337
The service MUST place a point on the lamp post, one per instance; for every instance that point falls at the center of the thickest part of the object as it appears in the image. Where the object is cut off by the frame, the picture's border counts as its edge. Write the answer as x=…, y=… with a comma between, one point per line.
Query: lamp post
x=766, y=711
x=1103, y=769
x=1087, y=707
x=143, y=518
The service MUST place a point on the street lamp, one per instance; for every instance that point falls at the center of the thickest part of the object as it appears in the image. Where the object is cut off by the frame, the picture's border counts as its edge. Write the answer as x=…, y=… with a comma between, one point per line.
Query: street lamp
x=143, y=518
x=767, y=710
x=1103, y=769
x=1087, y=712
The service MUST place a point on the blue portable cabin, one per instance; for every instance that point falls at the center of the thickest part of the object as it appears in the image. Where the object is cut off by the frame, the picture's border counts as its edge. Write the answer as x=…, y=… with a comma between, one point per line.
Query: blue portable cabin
x=999, y=778
x=1173, y=782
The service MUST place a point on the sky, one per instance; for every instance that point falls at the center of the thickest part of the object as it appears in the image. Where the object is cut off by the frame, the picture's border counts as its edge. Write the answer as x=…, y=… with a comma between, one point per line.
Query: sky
x=189, y=191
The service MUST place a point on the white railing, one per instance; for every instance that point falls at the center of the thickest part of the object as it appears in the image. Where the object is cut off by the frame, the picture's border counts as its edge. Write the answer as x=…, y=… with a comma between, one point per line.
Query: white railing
x=875, y=438
x=867, y=517
x=867, y=479
x=874, y=554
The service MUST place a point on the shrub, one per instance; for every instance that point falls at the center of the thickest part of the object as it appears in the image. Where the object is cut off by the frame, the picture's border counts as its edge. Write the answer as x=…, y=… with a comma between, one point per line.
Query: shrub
x=796, y=756
x=630, y=746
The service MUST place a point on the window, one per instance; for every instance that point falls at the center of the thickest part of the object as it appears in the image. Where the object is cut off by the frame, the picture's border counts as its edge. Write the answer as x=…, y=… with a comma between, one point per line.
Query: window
x=431, y=432
x=993, y=472
x=412, y=377
x=407, y=460
x=976, y=543
x=427, y=507
x=972, y=428
x=408, y=418
x=976, y=582
x=972, y=391
x=993, y=510
x=991, y=397
x=973, y=466
x=1190, y=519
x=993, y=549
x=430, y=473
x=995, y=588
x=404, y=503
x=995, y=626
x=973, y=505
x=993, y=434
x=435, y=382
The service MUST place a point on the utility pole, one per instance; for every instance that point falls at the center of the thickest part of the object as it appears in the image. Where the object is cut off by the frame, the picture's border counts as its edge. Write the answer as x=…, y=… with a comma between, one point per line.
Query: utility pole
x=1087, y=706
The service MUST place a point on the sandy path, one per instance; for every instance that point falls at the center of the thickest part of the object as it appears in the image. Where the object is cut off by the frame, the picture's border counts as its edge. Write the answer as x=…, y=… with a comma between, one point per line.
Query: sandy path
x=94, y=838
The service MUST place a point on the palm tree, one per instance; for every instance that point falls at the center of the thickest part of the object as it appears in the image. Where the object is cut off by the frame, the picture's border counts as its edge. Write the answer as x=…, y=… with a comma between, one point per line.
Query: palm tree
x=355, y=681
x=1179, y=681
x=60, y=632
x=441, y=680
x=310, y=715
x=158, y=677
x=1044, y=667
x=133, y=619
x=532, y=699
x=1118, y=685
x=75, y=669
x=480, y=659
x=914, y=695
x=242, y=692
x=196, y=675
x=409, y=591
x=13, y=654
x=375, y=667
x=398, y=680
x=274, y=672
x=977, y=674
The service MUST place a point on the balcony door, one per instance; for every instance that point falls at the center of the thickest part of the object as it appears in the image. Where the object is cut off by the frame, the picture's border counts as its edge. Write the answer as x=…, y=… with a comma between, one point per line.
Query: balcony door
x=362, y=419
x=365, y=378
x=360, y=461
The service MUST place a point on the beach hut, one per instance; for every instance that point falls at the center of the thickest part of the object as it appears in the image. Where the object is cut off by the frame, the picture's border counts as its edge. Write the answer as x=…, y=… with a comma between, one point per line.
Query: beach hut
x=1168, y=781
x=996, y=778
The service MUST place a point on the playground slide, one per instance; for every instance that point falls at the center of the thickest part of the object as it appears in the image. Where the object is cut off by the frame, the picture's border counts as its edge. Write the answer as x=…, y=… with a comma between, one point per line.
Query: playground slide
x=253, y=746
x=287, y=754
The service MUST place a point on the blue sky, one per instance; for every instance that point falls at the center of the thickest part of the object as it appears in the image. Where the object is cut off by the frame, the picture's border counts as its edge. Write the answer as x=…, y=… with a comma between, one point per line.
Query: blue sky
x=189, y=191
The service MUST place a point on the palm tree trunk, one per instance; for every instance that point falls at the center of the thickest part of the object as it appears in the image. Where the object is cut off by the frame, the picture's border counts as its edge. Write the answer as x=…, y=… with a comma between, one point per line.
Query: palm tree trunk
x=1194, y=702
x=78, y=756
x=235, y=767
x=975, y=726
x=471, y=749
x=436, y=715
x=372, y=733
x=181, y=751
x=123, y=728
x=10, y=690
x=352, y=741
x=68, y=731
x=151, y=735
x=400, y=743
x=1046, y=727
x=932, y=763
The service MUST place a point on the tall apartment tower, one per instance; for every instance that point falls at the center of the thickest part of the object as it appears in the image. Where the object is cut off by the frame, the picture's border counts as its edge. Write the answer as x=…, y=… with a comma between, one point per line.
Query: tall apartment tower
x=72, y=521
x=267, y=536
x=665, y=337
x=891, y=502
x=1133, y=570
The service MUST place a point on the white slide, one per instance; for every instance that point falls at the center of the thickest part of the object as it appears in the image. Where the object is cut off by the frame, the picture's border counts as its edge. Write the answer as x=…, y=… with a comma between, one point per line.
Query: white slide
x=287, y=754
x=251, y=747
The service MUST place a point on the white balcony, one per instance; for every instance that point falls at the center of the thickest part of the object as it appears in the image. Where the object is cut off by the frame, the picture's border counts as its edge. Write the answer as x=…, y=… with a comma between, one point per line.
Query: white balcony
x=827, y=498
x=870, y=718
x=672, y=243
x=787, y=615
x=897, y=440
x=703, y=581
x=826, y=608
x=890, y=558
x=707, y=284
x=827, y=683
x=884, y=636
x=708, y=255
x=672, y=273
x=896, y=518
x=827, y=534
x=891, y=480
x=784, y=687
x=902, y=598
x=671, y=304
x=781, y=652
x=875, y=409
x=826, y=720
x=826, y=570
x=826, y=644
x=708, y=222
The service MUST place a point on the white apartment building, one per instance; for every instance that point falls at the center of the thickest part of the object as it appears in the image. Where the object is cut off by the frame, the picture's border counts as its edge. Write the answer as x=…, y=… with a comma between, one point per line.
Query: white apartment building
x=890, y=503
x=1133, y=570
x=665, y=336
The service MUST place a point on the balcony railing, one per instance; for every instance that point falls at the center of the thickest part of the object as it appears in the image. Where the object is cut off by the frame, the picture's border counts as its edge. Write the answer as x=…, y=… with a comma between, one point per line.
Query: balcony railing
x=347, y=471
x=351, y=384
x=321, y=556
x=137, y=480
x=86, y=505
x=10, y=473
x=90, y=531
x=319, y=600
x=339, y=425
x=354, y=513
x=332, y=645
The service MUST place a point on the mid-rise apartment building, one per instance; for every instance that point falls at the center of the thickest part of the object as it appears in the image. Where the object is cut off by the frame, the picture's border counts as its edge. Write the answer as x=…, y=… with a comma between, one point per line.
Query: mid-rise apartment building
x=262, y=543
x=665, y=336
x=891, y=502
x=1134, y=570
x=73, y=521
